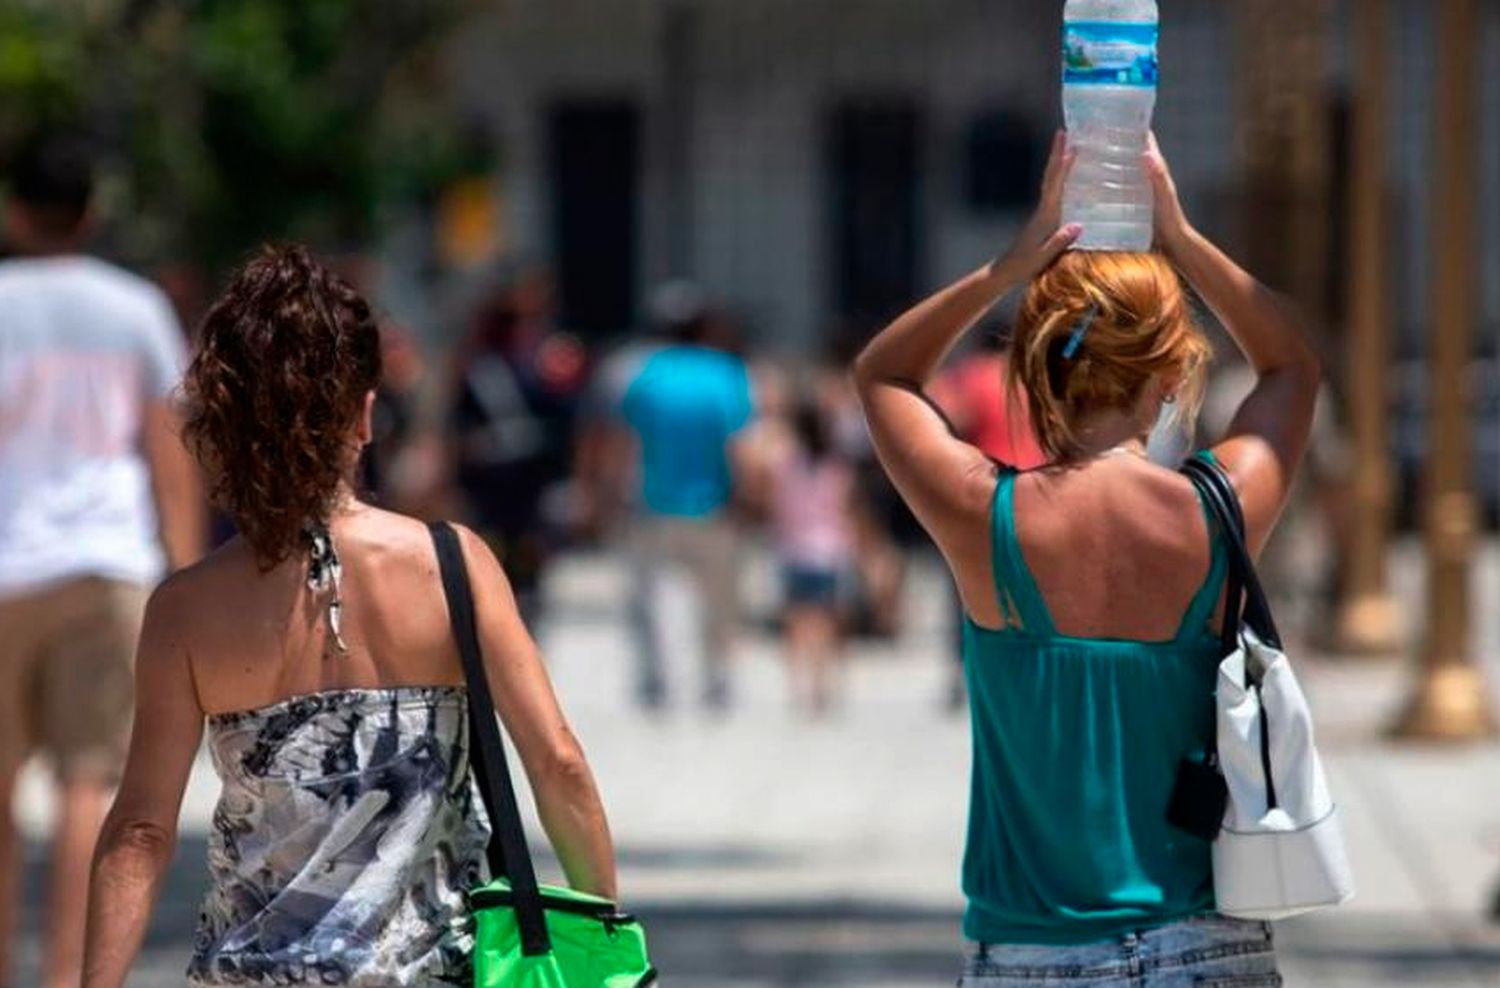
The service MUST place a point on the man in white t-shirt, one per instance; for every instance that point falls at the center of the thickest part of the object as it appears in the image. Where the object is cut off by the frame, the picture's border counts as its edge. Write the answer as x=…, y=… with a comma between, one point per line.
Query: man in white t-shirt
x=97, y=500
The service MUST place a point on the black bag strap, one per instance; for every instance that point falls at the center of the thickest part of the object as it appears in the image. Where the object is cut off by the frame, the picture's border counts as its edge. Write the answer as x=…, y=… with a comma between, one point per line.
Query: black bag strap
x=1245, y=589
x=1246, y=603
x=507, y=852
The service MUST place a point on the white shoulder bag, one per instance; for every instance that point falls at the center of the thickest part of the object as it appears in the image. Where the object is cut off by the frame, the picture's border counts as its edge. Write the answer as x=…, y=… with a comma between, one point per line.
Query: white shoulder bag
x=1280, y=850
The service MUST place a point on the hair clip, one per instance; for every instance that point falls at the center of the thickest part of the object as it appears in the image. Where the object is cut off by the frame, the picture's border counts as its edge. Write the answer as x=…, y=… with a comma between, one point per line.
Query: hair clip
x=1079, y=332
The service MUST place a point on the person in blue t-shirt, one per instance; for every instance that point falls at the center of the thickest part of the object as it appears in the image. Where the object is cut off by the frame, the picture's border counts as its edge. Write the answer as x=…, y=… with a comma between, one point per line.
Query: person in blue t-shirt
x=686, y=406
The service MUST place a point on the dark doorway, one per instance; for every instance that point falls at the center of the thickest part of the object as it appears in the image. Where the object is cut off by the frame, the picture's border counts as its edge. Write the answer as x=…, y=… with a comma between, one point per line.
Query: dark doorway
x=1005, y=154
x=874, y=170
x=594, y=165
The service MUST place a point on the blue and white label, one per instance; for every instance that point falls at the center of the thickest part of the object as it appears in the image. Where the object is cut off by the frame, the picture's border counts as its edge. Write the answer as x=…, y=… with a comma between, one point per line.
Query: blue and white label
x=1108, y=53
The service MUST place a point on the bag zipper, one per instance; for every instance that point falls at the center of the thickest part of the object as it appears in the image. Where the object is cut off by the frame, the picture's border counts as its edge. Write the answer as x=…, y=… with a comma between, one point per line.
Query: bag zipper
x=605, y=912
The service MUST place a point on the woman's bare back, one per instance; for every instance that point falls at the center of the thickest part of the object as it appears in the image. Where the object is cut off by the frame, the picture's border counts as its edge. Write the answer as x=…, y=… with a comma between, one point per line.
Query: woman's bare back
x=1117, y=547
x=256, y=638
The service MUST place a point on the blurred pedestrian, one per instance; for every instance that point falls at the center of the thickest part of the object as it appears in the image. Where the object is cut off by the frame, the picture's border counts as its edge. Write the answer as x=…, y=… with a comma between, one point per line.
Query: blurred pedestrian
x=1091, y=589
x=97, y=501
x=878, y=590
x=812, y=517
x=985, y=408
x=515, y=400
x=396, y=419
x=604, y=457
x=768, y=441
x=317, y=648
x=686, y=410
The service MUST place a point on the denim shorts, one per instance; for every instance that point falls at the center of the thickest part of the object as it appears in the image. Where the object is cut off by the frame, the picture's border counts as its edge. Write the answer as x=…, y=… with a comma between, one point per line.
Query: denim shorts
x=1202, y=952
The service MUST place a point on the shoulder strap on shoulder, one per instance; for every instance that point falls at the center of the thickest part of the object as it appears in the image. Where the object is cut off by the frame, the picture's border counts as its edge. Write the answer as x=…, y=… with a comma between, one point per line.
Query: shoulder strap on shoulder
x=1246, y=602
x=1021, y=605
x=1200, y=610
x=507, y=851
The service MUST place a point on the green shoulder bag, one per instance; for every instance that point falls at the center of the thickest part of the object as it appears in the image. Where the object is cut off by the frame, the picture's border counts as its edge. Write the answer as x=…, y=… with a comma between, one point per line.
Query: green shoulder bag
x=526, y=935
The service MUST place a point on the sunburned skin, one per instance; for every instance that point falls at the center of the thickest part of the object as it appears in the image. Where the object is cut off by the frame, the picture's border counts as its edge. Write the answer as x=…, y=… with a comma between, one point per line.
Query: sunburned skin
x=1090, y=583
x=950, y=484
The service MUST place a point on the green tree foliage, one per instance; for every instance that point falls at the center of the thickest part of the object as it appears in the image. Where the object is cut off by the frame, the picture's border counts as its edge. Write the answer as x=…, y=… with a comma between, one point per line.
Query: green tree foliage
x=43, y=58
x=232, y=121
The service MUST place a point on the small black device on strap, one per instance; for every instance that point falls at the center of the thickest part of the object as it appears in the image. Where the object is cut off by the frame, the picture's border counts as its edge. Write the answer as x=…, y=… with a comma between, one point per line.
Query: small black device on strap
x=507, y=851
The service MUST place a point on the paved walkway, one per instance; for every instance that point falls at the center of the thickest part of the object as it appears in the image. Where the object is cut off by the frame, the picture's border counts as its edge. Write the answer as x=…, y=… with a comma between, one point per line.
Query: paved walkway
x=766, y=852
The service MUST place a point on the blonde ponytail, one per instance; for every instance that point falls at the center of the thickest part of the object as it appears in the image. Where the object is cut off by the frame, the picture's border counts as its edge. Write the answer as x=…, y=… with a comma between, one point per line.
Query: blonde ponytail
x=1135, y=324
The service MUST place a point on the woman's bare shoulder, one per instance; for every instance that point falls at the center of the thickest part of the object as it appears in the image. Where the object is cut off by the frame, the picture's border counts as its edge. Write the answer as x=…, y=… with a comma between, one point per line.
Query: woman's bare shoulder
x=187, y=597
x=193, y=583
x=390, y=547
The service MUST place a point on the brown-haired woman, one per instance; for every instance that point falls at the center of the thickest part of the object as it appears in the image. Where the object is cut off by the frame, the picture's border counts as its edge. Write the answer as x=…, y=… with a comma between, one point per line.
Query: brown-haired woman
x=1091, y=587
x=316, y=647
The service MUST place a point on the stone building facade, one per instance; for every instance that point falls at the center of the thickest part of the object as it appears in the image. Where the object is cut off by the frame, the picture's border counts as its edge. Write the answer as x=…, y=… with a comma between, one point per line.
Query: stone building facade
x=813, y=162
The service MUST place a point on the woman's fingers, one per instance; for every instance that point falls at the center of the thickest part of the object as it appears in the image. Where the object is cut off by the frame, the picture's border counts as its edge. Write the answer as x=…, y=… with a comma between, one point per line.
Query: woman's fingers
x=1054, y=159
x=1036, y=249
x=1059, y=242
x=1043, y=240
x=1170, y=220
x=1059, y=165
x=1161, y=183
x=1055, y=198
x=1157, y=169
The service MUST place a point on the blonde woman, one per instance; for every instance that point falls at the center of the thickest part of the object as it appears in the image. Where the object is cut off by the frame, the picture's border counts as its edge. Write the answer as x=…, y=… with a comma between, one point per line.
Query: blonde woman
x=1090, y=588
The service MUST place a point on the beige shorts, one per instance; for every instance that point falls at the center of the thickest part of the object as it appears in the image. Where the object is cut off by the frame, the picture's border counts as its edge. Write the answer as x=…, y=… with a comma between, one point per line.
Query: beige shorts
x=67, y=676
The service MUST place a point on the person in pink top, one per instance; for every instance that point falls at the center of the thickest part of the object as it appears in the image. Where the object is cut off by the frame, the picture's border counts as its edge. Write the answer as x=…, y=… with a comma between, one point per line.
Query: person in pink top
x=814, y=538
x=975, y=396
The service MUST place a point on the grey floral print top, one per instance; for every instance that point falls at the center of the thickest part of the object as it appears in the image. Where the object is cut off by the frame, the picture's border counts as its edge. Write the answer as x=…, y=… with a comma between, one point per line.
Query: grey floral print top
x=346, y=836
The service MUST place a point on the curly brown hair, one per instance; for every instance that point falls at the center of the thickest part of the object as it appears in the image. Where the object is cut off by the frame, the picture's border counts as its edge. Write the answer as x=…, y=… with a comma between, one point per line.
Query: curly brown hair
x=287, y=355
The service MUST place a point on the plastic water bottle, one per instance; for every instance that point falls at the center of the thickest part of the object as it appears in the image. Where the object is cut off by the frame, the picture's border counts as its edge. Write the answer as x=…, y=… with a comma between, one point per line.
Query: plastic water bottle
x=1109, y=93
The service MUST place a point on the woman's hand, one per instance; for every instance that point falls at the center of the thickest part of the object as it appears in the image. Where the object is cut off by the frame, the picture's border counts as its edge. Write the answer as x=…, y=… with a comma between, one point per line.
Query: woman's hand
x=1268, y=436
x=949, y=484
x=1172, y=226
x=1042, y=239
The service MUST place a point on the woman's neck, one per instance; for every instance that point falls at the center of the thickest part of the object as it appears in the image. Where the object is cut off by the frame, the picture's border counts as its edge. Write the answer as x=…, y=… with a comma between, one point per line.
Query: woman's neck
x=1108, y=432
x=345, y=501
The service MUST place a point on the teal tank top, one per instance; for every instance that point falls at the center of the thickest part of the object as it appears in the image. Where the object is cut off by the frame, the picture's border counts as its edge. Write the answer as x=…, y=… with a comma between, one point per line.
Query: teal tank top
x=1077, y=743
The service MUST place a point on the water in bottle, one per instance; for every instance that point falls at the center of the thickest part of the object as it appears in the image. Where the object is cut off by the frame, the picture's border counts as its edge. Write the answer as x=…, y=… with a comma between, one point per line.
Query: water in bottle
x=1109, y=92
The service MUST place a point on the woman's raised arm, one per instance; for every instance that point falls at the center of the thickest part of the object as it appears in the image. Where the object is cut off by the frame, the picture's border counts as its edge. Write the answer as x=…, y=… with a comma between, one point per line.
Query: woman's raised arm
x=1268, y=436
x=941, y=477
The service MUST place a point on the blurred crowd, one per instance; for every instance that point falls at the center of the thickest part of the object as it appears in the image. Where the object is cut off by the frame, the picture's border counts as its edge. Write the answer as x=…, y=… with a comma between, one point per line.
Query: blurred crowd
x=677, y=445
x=682, y=446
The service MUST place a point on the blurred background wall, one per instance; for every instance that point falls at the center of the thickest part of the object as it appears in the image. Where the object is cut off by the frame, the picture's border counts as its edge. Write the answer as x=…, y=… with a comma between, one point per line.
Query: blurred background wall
x=740, y=138
x=813, y=166
x=814, y=163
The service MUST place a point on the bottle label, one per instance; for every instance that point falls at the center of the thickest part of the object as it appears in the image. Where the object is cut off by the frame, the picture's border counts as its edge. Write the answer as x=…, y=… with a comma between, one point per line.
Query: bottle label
x=1109, y=53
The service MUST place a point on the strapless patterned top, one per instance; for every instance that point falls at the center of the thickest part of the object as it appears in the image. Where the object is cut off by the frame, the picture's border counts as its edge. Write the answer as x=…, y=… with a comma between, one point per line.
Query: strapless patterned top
x=346, y=836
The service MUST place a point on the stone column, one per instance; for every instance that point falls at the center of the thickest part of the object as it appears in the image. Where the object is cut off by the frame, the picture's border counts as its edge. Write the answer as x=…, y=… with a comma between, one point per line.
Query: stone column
x=1450, y=699
x=1368, y=618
